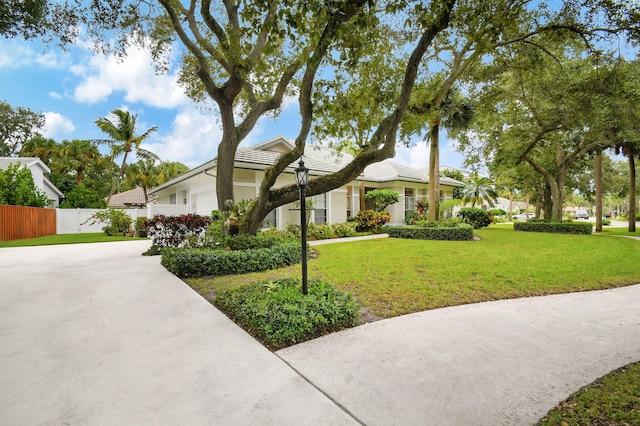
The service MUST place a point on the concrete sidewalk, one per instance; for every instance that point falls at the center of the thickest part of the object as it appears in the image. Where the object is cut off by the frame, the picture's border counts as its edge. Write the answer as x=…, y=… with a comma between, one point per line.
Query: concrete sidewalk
x=499, y=363
x=95, y=334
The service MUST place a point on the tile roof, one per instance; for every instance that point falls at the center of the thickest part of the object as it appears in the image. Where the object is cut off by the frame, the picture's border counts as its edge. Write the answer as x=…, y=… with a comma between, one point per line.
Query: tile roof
x=320, y=160
x=128, y=198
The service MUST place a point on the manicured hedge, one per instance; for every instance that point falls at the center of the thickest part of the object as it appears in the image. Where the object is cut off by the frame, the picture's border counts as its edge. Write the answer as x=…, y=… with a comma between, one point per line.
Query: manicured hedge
x=199, y=262
x=276, y=312
x=555, y=227
x=459, y=233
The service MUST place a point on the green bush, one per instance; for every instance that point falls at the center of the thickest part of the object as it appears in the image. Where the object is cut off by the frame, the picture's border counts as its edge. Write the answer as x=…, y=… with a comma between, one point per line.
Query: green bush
x=276, y=312
x=248, y=241
x=381, y=198
x=497, y=212
x=462, y=232
x=199, y=262
x=345, y=229
x=477, y=218
x=555, y=227
x=606, y=222
x=117, y=221
x=319, y=232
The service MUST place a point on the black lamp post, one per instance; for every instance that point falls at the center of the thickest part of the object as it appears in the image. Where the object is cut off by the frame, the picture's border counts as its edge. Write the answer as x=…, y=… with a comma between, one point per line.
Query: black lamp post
x=302, y=179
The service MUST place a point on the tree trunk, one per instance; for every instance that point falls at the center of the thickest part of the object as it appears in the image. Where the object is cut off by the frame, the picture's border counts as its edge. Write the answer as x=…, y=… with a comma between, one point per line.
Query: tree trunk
x=598, y=178
x=118, y=177
x=362, y=199
x=632, y=189
x=547, y=203
x=510, y=205
x=434, y=172
x=225, y=162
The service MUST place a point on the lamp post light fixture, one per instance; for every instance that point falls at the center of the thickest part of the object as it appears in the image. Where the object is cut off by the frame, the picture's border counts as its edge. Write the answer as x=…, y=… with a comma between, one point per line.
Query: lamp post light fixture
x=302, y=179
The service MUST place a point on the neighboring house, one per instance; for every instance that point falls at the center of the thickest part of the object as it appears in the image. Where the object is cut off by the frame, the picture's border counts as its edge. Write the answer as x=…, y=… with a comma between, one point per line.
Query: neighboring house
x=39, y=171
x=134, y=198
x=195, y=190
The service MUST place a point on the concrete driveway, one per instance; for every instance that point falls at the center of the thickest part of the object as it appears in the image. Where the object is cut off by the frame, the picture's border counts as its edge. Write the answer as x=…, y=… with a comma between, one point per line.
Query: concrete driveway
x=95, y=334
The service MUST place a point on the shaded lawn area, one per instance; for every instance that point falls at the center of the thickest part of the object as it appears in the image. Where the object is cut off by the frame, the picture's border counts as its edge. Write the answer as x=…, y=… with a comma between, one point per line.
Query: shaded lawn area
x=98, y=237
x=620, y=231
x=393, y=277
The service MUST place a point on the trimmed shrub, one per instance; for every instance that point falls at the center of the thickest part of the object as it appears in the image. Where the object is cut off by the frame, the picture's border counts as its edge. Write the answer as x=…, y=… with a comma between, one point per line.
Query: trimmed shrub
x=279, y=315
x=460, y=233
x=248, y=241
x=199, y=262
x=555, y=227
x=172, y=231
x=497, y=212
x=606, y=222
x=477, y=218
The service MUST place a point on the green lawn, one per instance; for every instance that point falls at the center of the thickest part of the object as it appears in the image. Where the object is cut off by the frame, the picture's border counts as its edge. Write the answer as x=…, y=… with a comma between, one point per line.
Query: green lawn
x=620, y=231
x=394, y=276
x=65, y=239
x=611, y=400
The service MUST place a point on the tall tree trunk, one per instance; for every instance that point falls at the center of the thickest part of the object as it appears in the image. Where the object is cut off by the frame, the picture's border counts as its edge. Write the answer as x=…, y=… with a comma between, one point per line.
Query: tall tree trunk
x=598, y=177
x=510, y=205
x=434, y=171
x=547, y=203
x=118, y=177
x=632, y=189
x=363, y=201
x=225, y=162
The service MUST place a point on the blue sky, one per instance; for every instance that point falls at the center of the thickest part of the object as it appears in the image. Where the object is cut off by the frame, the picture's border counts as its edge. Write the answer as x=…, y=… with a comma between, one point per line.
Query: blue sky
x=72, y=89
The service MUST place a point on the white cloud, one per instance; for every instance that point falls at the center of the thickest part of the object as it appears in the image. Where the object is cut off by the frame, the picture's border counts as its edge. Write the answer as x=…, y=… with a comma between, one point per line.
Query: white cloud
x=55, y=95
x=56, y=124
x=193, y=140
x=134, y=75
x=417, y=155
x=18, y=54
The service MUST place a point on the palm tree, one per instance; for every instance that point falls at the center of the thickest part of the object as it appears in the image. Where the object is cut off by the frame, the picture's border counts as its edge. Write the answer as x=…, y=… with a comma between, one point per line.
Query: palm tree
x=479, y=190
x=124, y=140
x=77, y=156
x=444, y=107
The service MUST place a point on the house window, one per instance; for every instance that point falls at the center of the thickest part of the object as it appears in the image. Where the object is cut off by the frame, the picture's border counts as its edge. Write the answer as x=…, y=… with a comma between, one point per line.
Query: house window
x=349, y=191
x=173, y=199
x=271, y=220
x=320, y=209
x=184, y=197
x=409, y=201
x=443, y=196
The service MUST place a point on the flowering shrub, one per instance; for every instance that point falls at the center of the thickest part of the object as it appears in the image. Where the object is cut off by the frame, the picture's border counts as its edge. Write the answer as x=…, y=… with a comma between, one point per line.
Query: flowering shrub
x=369, y=220
x=117, y=221
x=172, y=231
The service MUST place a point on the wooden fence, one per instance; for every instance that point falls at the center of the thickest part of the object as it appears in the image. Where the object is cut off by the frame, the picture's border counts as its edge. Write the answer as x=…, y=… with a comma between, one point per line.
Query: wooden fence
x=18, y=222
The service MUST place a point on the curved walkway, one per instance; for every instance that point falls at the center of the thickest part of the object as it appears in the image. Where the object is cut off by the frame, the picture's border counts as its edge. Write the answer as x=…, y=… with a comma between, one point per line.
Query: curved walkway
x=97, y=334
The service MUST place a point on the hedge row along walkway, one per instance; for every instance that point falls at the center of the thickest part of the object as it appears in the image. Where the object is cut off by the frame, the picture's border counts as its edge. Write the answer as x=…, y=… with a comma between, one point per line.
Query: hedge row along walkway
x=97, y=334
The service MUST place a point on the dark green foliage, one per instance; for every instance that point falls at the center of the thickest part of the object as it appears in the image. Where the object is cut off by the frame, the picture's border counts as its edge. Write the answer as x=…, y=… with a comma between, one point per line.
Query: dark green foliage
x=606, y=222
x=477, y=218
x=555, y=227
x=460, y=233
x=497, y=212
x=199, y=262
x=248, y=241
x=17, y=187
x=381, y=198
x=276, y=312
x=81, y=197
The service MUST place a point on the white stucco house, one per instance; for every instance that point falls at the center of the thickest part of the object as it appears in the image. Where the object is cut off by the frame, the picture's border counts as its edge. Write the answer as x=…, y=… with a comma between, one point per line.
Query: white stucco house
x=195, y=191
x=39, y=171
